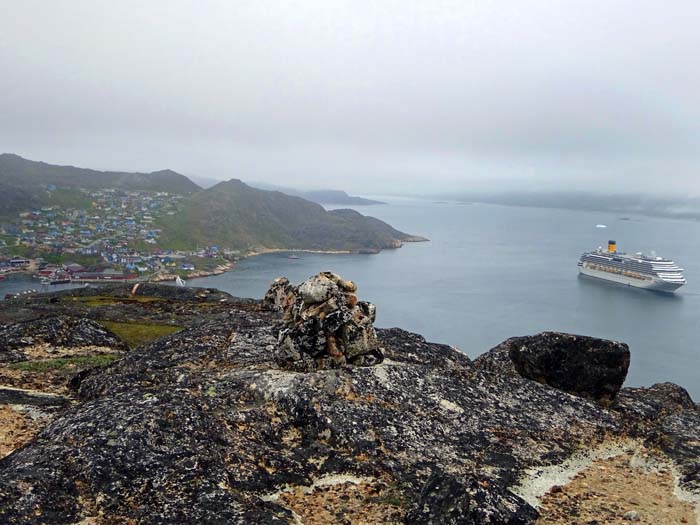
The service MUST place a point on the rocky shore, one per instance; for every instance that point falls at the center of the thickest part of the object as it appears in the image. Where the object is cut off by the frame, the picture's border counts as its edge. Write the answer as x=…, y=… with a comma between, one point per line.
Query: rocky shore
x=162, y=276
x=296, y=409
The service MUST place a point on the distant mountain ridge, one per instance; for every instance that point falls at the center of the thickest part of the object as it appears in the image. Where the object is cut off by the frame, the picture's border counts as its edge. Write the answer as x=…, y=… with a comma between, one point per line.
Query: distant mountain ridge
x=19, y=172
x=337, y=197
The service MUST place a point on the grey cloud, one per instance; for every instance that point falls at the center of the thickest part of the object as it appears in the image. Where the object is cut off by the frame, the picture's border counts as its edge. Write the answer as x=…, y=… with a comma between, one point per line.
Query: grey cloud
x=360, y=95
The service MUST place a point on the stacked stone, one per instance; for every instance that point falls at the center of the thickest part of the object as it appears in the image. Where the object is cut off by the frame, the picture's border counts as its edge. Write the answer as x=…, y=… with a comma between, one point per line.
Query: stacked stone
x=280, y=295
x=325, y=326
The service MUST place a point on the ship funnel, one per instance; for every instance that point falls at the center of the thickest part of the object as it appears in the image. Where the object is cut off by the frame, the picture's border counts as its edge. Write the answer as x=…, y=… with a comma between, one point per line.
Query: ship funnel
x=612, y=246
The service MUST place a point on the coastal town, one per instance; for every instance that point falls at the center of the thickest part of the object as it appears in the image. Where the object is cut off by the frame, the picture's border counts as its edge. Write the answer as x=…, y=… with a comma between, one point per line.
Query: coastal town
x=102, y=235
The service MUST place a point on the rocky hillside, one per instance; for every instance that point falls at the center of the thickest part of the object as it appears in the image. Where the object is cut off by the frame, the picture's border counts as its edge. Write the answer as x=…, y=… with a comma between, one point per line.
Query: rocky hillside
x=266, y=412
x=236, y=215
x=18, y=172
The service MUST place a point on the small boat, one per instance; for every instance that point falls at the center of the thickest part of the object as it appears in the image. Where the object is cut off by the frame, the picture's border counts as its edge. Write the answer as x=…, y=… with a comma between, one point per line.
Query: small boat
x=2, y=277
x=293, y=257
x=600, y=226
x=60, y=278
x=179, y=281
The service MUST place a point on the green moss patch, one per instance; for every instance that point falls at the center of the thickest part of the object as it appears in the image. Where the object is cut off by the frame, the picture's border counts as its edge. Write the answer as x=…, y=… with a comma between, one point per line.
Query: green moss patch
x=105, y=300
x=137, y=334
x=82, y=361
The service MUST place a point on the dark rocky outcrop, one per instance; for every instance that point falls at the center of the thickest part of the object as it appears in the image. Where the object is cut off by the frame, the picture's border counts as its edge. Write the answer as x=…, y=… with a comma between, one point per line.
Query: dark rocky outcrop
x=666, y=418
x=203, y=426
x=150, y=303
x=178, y=293
x=207, y=426
x=585, y=366
x=56, y=332
x=446, y=498
x=654, y=402
x=17, y=396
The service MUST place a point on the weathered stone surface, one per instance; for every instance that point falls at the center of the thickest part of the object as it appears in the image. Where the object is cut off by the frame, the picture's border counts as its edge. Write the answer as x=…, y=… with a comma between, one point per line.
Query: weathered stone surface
x=667, y=419
x=55, y=331
x=317, y=289
x=653, y=402
x=152, y=303
x=202, y=426
x=179, y=293
x=325, y=324
x=18, y=396
x=449, y=499
x=585, y=366
x=205, y=426
x=280, y=295
x=677, y=436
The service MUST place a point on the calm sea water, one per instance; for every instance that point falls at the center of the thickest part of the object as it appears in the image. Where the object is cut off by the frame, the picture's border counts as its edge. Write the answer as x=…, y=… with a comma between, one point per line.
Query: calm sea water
x=492, y=272
x=19, y=283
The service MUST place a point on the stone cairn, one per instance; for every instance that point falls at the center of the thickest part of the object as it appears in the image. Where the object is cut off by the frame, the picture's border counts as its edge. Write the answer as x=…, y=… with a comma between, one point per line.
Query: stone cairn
x=324, y=325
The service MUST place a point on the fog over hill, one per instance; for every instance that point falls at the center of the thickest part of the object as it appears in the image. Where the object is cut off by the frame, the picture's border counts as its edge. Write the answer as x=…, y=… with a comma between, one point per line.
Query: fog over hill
x=27, y=184
x=628, y=203
x=20, y=172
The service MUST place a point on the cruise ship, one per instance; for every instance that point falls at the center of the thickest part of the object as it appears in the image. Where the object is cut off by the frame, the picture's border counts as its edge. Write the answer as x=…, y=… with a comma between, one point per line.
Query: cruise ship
x=652, y=273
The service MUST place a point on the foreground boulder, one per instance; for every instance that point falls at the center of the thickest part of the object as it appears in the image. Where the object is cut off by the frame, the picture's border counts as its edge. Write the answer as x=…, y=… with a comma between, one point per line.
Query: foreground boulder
x=325, y=326
x=584, y=366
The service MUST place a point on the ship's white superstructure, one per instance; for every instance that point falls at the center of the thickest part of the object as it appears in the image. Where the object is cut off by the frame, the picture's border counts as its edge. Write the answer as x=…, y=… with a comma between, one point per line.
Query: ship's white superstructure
x=640, y=271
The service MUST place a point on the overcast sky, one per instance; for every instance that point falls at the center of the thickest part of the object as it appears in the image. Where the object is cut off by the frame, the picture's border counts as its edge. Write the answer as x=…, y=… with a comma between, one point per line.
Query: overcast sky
x=365, y=96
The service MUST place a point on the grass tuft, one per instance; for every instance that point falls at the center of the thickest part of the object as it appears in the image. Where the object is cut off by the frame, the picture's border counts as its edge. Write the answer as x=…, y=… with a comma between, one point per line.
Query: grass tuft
x=106, y=300
x=137, y=334
x=82, y=361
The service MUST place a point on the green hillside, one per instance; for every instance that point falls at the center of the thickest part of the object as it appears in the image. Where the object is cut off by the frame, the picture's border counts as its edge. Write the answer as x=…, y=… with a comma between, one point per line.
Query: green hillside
x=24, y=183
x=235, y=215
x=230, y=214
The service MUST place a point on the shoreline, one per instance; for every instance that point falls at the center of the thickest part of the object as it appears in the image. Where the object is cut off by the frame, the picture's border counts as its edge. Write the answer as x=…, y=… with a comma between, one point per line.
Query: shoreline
x=162, y=276
x=267, y=251
x=231, y=266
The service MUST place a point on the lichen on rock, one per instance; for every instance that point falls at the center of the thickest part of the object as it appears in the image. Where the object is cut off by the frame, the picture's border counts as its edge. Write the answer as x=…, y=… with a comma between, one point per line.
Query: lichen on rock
x=17, y=339
x=325, y=326
x=205, y=426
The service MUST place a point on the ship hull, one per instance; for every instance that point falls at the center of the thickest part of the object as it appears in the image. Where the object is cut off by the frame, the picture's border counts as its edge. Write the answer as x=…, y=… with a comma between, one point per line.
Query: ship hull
x=656, y=285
